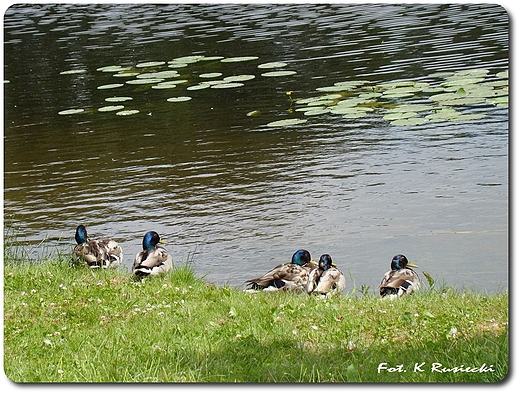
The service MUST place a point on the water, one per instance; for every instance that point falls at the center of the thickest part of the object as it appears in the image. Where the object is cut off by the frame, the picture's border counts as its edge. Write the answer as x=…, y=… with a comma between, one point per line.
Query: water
x=225, y=190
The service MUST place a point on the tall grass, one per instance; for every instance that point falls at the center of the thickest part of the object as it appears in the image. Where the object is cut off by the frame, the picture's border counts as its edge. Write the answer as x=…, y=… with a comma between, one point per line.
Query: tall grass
x=72, y=324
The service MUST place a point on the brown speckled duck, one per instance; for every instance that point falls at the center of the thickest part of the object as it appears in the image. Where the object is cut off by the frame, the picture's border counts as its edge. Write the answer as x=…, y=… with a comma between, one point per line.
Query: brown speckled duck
x=153, y=259
x=96, y=253
x=292, y=276
x=326, y=279
x=400, y=280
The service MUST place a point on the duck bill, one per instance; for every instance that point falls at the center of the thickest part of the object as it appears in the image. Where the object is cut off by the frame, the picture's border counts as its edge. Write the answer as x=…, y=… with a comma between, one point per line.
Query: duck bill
x=162, y=241
x=412, y=265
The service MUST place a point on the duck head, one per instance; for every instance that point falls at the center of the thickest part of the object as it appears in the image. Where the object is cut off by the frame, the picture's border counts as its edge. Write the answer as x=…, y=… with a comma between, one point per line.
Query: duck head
x=325, y=262
x=81, y=234
x=301, y=257
x=400, y=261
x=151, y=239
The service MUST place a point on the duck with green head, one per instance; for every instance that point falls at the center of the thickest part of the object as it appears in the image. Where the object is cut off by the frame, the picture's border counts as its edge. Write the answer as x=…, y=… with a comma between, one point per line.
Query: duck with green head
x=400, y=280
x=291, y=276
x=326, y=279
x=153, y=259
x=96, y=253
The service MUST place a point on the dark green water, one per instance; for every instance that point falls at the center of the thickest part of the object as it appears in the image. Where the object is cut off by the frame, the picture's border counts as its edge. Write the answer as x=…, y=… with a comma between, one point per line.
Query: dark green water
x=223, y=187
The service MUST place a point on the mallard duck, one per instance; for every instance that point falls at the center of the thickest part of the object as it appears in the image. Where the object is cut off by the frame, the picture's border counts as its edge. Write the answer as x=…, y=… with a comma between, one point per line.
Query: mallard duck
x=287, y=276
x=153, y=259
x=326, y=278
x=400, y=280
x=96, y=253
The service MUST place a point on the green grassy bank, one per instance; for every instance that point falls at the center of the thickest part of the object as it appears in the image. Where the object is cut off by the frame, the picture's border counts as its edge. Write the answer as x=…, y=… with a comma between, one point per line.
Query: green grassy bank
x=71, y=324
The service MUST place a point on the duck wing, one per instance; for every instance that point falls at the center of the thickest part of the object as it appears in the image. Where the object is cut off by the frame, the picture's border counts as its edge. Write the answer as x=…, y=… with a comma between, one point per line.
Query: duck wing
x=99, y=252
x=400, y=282
x=152, y=262
x=331, y=279
x=287, y=275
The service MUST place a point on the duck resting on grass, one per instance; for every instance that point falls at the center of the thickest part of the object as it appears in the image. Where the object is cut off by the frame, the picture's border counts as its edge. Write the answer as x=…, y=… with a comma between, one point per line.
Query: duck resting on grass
x=153, y=259
x=326, y=279
x=292, y=276
x=96, y=253
x=400, y=280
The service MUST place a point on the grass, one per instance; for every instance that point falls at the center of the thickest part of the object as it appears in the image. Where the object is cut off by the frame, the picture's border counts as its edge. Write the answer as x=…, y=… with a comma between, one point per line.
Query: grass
x=71, y=324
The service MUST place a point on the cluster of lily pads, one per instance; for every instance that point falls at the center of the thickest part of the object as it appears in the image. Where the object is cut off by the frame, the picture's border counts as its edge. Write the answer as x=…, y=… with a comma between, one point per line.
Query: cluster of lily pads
x=166, y=75
x=437, y=97
x=407, y=102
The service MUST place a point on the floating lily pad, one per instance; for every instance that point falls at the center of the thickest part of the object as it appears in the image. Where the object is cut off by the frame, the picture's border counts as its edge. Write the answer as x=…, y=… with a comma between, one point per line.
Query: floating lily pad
x=126, y=74
x=112, y=69
x=286, y=122
x=278, y=73
x=239, y=59
x=144, y=81
x=501, y=101
x=253, y=113
x=399, y=115
x=82, y=71
x=227, y=85
x=409, y=122
x=165, y=85
x=210, y=75
x=237, y=78
x=202, y=85
x=150, y=64
x=178, y=99
x=111, y=86
x=187, y=59
x=159, y=74
x=355, y=114
x=71, y=111
x=462, y=81
x=316, y=111
x=127, y=112
x=209, y=58
x=109, y=108
x=411, y=108
x=272, y=65
x=336, y=88
x=503, y=74
x=118, y=99
x=177, y=65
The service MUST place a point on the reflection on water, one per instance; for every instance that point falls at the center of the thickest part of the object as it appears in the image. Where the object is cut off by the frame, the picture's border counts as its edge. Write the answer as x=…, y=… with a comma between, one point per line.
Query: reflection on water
x=220, y=185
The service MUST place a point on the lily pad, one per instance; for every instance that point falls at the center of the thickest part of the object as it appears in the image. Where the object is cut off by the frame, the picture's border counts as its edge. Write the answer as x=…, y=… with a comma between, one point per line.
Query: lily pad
x=165, y=85
x=399, y=115
x=177, y=65
x=82, y=71
x=111, y=86
x=127, y=112
x=187, y=59
x=112, y=69
x=178, y=99
x=238, y=59
x=159, y=74
x=272, y=65
x=278, y=73
x=316, y=111
x=227, y=85
x=144, y=81
x=253, y=113
x=118, y=99
x=109, y=108
x=238, y=78
x=150, y=64
x=409, y=122
x=126, y=74
x=71, y=111
x=286, y=122
x=210, y=75
x=200, y=86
